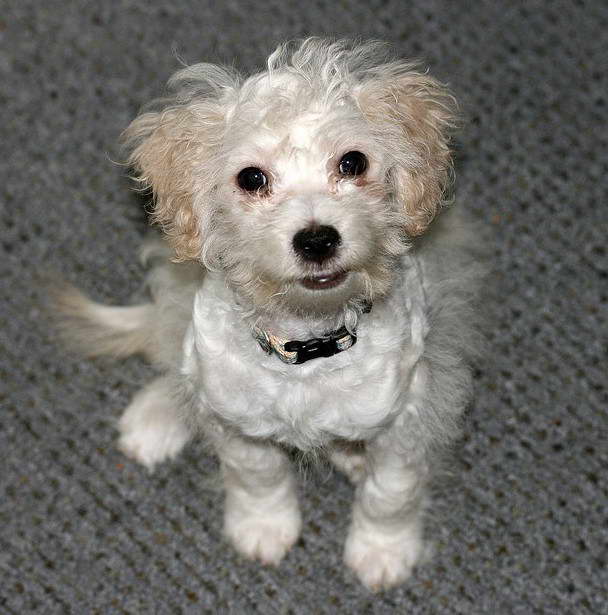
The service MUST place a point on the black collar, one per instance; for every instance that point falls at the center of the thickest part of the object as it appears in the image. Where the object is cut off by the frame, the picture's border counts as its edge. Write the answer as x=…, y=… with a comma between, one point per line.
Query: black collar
x=296, y=352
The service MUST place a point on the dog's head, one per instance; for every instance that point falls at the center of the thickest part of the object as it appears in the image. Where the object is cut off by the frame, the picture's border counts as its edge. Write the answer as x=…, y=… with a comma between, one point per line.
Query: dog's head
x=304, y=182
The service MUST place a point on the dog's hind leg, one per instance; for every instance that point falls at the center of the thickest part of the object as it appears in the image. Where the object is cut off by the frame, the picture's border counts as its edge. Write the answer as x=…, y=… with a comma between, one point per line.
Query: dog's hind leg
x=349, y=458
x=152, y=429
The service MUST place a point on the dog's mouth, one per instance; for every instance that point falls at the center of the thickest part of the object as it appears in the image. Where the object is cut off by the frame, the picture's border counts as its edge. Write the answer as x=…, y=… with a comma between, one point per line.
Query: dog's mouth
x=324, y=281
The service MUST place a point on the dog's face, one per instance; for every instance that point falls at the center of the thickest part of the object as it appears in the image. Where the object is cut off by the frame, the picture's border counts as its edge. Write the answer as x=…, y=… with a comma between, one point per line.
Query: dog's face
x=302, y=183
x=302, y=199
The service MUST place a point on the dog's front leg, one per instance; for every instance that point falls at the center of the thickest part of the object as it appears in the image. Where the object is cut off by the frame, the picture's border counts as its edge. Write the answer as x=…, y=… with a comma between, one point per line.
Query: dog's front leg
x=385, y=537
x=261, y=516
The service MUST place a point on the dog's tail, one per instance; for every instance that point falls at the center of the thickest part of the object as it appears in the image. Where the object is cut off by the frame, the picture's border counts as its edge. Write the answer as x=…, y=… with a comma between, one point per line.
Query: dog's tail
x=95, y=329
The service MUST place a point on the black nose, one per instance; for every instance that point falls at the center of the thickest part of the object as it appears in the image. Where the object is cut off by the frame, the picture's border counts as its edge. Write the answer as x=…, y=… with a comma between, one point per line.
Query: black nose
x=317, y=243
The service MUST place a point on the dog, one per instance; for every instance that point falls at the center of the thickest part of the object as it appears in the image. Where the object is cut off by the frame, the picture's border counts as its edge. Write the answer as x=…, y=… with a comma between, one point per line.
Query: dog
x=307, y=294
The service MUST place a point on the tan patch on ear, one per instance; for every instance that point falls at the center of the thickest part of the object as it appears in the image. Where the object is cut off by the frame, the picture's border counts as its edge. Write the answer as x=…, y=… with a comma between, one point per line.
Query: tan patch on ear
x=421, y=194
x=167, y=147
x=418, y=113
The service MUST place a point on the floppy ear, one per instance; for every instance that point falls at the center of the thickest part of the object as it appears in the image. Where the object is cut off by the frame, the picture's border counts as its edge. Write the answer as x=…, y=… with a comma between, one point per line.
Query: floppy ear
x=414, y=114
x=171, y=152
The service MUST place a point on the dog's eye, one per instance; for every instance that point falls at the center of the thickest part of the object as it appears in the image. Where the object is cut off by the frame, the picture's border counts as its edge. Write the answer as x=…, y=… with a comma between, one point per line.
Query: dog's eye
x=252, y=179
x=353, y=164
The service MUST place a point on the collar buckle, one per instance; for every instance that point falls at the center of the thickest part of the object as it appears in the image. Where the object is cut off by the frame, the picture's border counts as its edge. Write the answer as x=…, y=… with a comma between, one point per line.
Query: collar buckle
x=296, y=352
x=318, y=347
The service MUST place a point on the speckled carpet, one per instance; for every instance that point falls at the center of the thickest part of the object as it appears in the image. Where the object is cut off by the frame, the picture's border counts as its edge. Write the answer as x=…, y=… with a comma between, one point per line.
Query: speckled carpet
x=522, y=525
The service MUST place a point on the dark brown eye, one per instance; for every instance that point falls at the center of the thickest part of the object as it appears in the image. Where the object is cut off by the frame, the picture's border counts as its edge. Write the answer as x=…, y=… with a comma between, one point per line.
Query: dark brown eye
x=252, y=179
x=353, y=164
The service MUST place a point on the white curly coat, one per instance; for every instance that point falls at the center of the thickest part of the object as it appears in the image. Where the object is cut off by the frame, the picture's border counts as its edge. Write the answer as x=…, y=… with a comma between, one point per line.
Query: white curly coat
x=400, y=390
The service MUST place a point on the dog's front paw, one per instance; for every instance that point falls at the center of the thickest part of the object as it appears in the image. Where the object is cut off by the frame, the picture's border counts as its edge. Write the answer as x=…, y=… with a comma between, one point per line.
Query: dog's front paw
x=265, y=538
x=380, y=560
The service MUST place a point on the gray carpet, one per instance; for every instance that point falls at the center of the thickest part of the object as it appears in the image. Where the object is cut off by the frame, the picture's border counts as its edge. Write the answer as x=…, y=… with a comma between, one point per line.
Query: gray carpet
x=521, y=526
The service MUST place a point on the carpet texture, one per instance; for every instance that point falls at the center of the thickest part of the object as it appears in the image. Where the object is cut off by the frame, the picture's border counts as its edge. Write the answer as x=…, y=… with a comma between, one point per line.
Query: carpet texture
x=521, y=526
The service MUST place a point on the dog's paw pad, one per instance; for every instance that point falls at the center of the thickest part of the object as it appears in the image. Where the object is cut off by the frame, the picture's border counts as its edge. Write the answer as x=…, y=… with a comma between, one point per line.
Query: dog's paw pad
x=382, y=564
x=264, y=539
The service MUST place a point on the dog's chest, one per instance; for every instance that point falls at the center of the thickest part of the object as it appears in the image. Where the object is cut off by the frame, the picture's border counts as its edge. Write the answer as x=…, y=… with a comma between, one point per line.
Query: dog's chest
x=350, y=395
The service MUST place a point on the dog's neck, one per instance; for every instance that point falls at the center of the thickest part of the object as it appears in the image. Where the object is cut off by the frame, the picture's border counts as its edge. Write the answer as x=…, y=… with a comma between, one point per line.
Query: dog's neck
x=287, y=324
x=290, y=326
x=301, y=339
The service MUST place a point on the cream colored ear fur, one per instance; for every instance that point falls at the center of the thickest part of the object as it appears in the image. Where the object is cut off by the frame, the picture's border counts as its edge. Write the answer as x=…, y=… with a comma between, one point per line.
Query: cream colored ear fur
x=419, y=112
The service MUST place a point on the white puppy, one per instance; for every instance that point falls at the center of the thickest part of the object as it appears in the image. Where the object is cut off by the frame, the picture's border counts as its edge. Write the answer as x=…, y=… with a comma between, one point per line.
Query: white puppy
x=317, y=309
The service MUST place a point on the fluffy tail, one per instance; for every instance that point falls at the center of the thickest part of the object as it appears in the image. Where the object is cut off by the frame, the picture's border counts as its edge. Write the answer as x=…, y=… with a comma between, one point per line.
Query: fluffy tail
x=95, y=329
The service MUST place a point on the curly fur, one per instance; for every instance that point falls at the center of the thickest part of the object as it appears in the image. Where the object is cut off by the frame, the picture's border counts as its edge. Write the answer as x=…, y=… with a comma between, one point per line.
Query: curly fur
x=382, y=409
